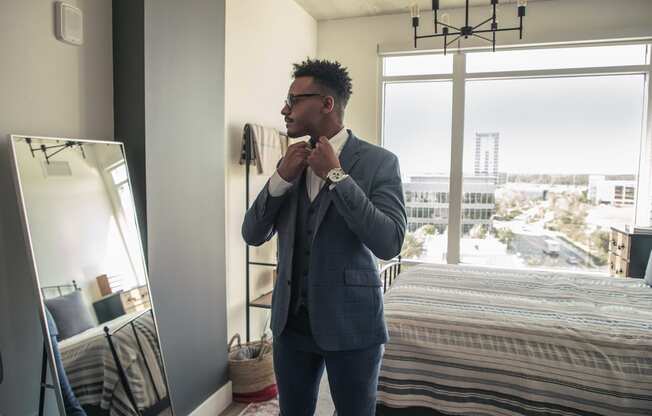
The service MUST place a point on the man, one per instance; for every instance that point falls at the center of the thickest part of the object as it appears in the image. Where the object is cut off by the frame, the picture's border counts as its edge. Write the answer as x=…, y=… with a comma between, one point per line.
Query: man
x=336, y=203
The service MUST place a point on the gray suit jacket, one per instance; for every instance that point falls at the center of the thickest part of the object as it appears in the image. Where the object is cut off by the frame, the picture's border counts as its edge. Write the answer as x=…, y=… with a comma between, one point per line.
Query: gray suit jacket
x=362, y=218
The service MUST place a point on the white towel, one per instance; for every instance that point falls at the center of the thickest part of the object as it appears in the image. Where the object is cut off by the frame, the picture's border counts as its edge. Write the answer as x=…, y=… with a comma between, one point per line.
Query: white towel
x=268, y=146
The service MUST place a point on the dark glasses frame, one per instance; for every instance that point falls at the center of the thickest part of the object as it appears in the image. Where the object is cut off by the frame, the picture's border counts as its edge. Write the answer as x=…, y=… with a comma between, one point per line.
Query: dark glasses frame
x=291, y=99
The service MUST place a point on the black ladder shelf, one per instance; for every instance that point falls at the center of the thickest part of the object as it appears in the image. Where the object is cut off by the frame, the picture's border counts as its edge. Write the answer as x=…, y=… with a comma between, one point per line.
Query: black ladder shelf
x=264, y=301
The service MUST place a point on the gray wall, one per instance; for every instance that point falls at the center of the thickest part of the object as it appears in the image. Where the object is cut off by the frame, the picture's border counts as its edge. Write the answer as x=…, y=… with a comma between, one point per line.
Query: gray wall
x=184, y=122
x=129, y=97
x=49, y=88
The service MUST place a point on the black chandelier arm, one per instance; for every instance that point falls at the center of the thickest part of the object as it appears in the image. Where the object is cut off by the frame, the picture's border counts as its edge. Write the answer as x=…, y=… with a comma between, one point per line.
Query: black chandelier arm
x=450, y=27
x=483, y=23
x=439, y=35
x=453, y=41
x=50, y=156
x=504, y=29
x=60, y=147
x=482, y=37
x=54, y=147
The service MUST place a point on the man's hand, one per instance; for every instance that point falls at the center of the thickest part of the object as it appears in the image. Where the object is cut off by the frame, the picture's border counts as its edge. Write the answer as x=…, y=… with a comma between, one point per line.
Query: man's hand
x=294, y=162
x=323, y=158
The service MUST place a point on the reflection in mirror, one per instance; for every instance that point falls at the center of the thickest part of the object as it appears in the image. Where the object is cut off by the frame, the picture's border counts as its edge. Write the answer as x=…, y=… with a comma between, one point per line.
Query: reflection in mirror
x=92, y=278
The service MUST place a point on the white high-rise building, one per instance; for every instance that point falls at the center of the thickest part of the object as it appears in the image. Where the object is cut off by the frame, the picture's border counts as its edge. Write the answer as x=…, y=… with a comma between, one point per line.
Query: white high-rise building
x=487, y=146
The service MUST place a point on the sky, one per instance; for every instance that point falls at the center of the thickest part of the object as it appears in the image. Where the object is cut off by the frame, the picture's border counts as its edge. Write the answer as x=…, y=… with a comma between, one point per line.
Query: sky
x=574, y=125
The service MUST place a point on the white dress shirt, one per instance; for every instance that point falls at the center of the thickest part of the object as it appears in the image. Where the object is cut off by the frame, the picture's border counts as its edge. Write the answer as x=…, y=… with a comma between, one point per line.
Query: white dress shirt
x=278, y=186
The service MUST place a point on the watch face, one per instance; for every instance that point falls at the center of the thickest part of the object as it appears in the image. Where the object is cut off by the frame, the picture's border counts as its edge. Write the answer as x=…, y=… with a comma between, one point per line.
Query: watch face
x=335, y=175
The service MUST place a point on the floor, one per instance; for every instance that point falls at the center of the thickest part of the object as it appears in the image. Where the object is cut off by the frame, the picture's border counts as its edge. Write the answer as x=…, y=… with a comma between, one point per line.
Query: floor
x=325, y=405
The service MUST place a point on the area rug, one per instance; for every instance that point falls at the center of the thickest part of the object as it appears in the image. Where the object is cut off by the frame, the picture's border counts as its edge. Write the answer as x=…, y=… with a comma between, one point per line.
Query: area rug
x=268, y=408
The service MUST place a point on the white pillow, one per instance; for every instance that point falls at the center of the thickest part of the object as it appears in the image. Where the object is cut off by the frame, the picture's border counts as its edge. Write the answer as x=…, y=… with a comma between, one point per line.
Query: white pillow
x=648, y=272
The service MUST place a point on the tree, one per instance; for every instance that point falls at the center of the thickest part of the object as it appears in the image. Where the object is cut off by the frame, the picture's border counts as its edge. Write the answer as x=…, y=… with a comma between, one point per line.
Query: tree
x=412, y=246
x=429, y=229
x=505, y=236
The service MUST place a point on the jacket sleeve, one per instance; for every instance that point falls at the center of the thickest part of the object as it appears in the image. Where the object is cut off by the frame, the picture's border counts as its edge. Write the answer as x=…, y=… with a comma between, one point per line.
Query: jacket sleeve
x=380, y=219
x=259, y=222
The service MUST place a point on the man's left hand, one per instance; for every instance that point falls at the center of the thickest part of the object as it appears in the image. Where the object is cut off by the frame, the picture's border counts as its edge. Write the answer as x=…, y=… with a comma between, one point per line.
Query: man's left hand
x=323, y=158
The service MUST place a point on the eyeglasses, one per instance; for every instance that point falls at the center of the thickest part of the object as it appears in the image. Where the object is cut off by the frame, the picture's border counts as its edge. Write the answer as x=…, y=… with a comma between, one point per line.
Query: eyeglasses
x=291, y=99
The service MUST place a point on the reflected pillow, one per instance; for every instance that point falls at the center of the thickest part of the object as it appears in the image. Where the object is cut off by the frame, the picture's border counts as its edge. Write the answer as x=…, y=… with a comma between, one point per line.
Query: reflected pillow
x=70, y=314
x=648, y=272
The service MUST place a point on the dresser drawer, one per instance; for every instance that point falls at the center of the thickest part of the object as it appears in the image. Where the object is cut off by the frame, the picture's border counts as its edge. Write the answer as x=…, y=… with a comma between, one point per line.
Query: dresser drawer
x=620, y=244
x=136, y=300
x=618, y=266
x=624, y=244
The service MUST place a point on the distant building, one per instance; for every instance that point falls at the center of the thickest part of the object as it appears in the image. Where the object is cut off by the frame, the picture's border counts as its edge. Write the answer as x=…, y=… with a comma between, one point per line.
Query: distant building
x=611, y=192
x=487, y=147
x=427, y=201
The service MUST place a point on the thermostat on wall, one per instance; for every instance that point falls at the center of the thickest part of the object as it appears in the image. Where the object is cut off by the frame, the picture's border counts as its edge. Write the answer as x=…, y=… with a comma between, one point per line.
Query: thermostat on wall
x=69, y=23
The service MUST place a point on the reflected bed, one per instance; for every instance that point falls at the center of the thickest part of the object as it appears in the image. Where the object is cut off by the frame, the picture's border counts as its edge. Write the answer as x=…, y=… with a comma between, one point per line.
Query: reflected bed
x=93, y=373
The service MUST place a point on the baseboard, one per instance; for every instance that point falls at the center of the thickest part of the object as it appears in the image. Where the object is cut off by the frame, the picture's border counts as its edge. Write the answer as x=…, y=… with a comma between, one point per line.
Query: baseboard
x=217, y=403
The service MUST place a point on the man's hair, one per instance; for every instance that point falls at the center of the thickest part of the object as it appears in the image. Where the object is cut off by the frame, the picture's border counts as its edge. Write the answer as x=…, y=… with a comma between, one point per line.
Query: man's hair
x=330, y=75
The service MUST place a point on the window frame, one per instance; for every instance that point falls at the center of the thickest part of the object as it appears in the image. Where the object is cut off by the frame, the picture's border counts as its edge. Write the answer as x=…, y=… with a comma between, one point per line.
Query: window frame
x=459, y=77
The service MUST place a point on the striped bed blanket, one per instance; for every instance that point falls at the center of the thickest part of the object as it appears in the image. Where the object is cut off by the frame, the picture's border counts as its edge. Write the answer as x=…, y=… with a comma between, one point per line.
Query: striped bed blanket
x=93, y=373
x=470, y=340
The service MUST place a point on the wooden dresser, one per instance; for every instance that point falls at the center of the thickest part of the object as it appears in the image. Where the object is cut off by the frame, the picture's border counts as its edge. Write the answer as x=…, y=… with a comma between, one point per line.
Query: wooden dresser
x=121, y=303
x=628, y=253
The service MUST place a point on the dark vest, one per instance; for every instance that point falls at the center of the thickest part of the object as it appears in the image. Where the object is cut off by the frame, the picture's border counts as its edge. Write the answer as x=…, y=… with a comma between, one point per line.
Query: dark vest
x=304, y=232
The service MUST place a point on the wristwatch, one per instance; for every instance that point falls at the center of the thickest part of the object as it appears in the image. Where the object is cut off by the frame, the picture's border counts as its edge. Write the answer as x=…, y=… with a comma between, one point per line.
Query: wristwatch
x=334, y=176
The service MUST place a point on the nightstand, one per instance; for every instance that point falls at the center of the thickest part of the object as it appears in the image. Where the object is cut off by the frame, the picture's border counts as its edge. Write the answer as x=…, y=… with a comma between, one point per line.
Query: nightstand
x=628, y=253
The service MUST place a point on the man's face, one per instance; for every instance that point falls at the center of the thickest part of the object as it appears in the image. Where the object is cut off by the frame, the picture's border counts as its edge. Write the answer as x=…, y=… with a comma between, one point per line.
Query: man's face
x=304, y=110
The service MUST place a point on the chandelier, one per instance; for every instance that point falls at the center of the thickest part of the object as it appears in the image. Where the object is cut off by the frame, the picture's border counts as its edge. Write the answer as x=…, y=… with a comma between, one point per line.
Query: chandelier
x=455, y=33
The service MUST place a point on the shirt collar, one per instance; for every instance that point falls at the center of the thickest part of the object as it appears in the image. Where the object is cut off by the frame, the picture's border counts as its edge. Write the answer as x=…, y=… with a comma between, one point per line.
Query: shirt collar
x=339, y=140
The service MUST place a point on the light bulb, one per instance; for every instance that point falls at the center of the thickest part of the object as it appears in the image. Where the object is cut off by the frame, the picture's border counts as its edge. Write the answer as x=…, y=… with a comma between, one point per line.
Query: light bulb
x=445, y=19
x=414, y=10
x=521, y=3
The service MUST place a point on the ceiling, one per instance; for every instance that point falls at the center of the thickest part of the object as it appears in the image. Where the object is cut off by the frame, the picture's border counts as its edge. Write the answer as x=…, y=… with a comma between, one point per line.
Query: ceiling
x=340, y=9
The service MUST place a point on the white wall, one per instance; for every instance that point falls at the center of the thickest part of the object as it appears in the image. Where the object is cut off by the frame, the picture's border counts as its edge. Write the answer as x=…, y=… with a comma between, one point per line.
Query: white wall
x=49, y=89
x=73, y=226
x=263, y=39
x=354, y=42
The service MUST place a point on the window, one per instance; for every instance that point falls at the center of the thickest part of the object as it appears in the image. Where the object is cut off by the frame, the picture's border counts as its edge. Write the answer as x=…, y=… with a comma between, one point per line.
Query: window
x=550, y=135
x=557, y=58
x=127, y=220
x=550, y=152
x=417, y=119
x=417, y=65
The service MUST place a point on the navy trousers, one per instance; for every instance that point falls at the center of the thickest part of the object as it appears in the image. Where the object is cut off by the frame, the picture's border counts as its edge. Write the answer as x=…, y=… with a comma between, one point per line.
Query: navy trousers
x=299, y=364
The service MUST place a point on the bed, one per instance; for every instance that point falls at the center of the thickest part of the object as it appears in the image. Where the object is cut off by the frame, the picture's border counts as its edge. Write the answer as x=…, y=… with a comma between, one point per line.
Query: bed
x=94, y=375
x=470, y=340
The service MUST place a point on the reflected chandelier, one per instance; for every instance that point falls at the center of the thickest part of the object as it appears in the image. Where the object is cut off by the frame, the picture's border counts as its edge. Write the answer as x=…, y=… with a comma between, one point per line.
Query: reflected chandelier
x=467, y=30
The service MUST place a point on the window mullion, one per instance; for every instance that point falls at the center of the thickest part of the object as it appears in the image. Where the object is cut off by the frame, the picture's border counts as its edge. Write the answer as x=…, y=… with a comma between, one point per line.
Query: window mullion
x=457, y=154
x=643, y=208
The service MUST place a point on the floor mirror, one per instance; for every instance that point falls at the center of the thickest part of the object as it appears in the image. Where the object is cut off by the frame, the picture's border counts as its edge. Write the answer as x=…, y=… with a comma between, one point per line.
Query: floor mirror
x=101, y=354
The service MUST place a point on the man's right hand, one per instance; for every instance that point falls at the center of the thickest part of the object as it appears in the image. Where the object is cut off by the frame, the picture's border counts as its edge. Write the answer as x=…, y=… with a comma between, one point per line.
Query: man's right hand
x=295, y=161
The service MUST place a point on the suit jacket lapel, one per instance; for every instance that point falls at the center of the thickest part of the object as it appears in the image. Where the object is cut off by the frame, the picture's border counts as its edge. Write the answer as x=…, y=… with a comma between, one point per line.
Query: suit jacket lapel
x=348, y=158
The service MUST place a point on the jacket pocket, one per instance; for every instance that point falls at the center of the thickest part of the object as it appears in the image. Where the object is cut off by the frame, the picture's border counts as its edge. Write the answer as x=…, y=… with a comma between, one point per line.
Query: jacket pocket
x=365, y=277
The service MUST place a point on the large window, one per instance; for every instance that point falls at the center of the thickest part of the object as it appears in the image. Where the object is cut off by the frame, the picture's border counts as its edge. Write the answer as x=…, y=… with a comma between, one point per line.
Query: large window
x=554, y=153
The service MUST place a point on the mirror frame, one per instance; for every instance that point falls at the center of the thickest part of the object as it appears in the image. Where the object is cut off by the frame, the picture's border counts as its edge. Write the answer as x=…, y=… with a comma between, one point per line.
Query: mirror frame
x=29, y=250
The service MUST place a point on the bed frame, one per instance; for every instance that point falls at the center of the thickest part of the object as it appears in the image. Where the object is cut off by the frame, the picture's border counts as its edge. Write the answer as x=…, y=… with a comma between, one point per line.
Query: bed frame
x=162, y=403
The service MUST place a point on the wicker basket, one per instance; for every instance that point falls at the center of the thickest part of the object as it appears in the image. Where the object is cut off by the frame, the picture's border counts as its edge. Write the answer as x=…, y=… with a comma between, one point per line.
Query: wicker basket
x=251, y=370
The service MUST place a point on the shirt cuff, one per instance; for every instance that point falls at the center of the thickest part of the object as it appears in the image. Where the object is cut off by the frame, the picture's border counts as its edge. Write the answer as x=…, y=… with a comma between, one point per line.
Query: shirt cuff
x=277, y=185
